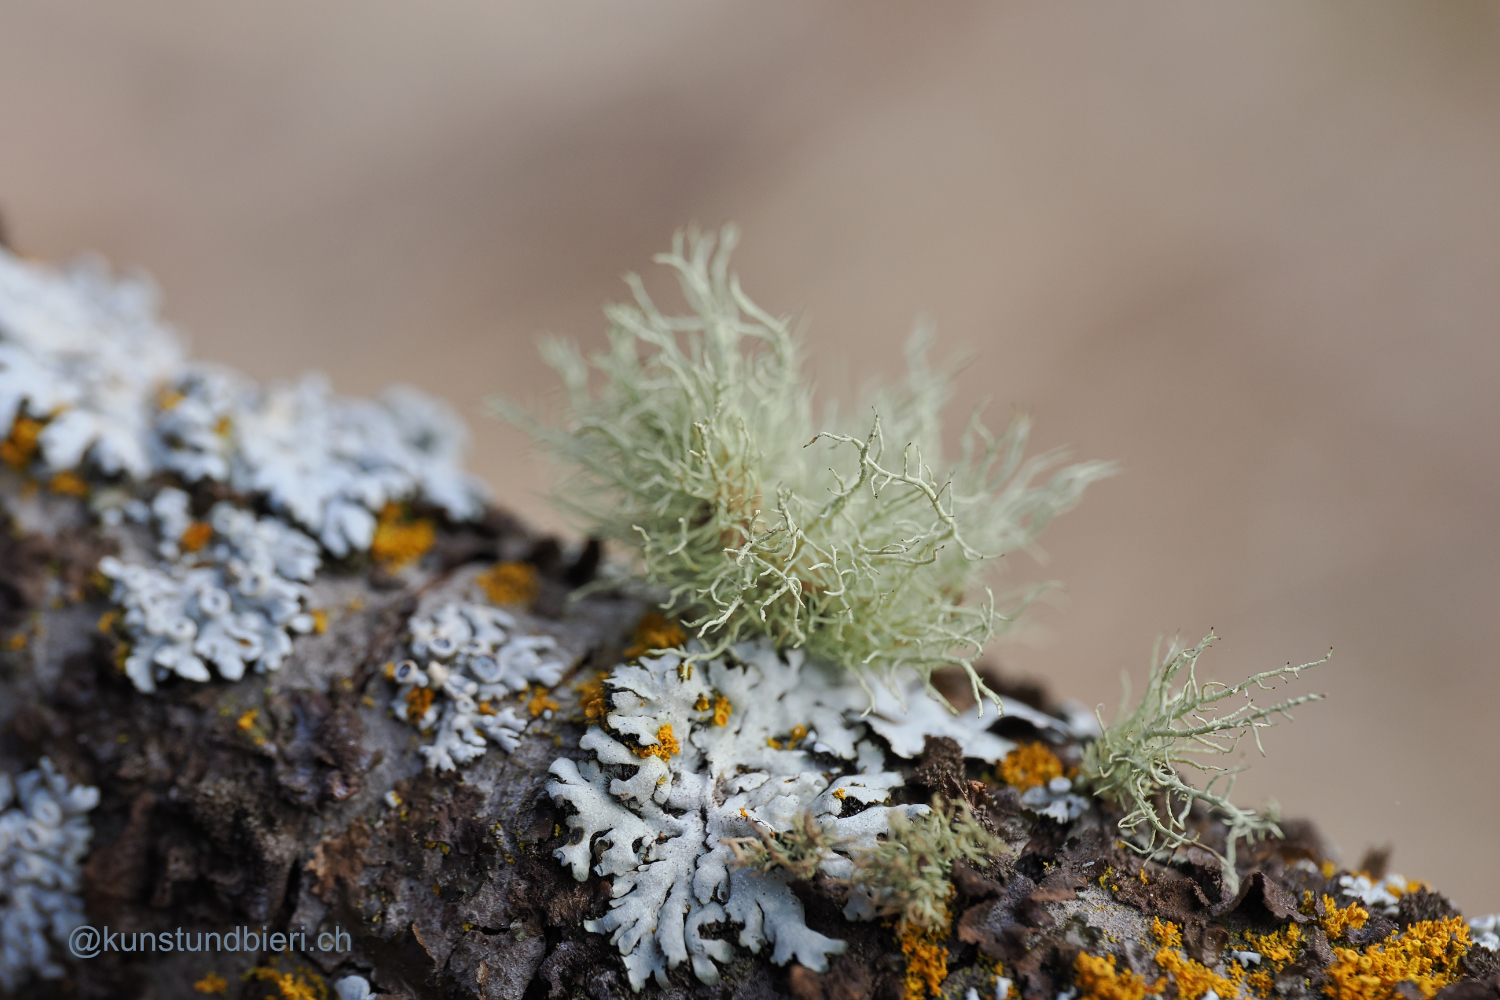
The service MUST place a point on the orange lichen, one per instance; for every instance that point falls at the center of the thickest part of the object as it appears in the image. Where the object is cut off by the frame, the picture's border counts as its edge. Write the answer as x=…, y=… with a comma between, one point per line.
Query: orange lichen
x=106, y=623
x=591, y=697
x=1261, y=983
x=509, y=583
x=1030, y=765
x=485, y=708
x=195, y=536
x=1337, y=922
x=1278, y=947
x=655, y=632
x=211, y=983
x=303, y=984
x=68, y=484
x=320, y=621
x=1193, y=979
x=773, y=743
x=1328, y=868
x=926, y=960
x=1097, y=979
x=400, y=539
x=1427, y=954
x=839, y=794
x=17, y=640
x=418, y=701
x=540, y=701
x=722, y=708
x=247, y=720
x=666, y=745
x=20, y=447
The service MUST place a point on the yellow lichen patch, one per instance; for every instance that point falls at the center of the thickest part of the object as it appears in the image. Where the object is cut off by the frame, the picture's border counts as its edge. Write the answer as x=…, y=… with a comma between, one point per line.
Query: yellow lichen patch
x=839, y=794
x=1278, y=947
x=1096, y=979
x=320, y=621
x=509, y=583
x=223, y=426
x=1193, y=979
x=107, y=621
x=400, y=539
x=211, y=983
x=68, y=484
x=418, y=701
x=168, y=398
x=1336, y=922
x=722, y=708
x=539, y=702
x=1260, y=983
x=1167, y=934
x=591, y=697
x=773, y=743
x=1427, y=954
x=655, y=632
x=926, y=961
x=303, y=984
x=702, y=704
x=1328, y=868
x=17, y=640
x=19, y=448
x=195, y=536
x=1030, y=765
x=666, y=745
x=247, y=720
x=485, y=708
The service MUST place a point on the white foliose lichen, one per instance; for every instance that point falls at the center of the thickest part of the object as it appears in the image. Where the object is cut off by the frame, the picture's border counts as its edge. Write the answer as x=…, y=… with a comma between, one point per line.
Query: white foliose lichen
x=743, y=744
x=44, y=836
x=107, y=387
x=1378, y=895
x=84, y=354
x=467, y=659
x=1055, y=800
x=327, y=462
x=1486, y=931
x=229, y=591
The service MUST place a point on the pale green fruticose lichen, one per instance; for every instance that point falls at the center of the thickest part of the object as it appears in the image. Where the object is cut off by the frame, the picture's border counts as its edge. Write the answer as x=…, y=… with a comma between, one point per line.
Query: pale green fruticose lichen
x=859, y=541
x=1135, y=761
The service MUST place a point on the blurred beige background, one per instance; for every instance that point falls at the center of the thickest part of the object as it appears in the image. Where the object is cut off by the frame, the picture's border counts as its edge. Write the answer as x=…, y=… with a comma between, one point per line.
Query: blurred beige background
x=1252, y=251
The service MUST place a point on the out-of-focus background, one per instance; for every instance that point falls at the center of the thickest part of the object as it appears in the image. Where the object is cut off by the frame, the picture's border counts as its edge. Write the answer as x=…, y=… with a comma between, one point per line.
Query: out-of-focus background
x=1252, y=251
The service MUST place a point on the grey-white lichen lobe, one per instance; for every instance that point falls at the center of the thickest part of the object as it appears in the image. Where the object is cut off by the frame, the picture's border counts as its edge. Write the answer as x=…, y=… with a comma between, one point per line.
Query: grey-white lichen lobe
x=468, y=661
x=686, y=761
x=44, y=835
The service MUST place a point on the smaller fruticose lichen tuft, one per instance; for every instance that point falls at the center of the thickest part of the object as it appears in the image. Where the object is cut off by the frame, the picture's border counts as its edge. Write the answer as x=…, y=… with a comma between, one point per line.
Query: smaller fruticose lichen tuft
x=1135, y=761
x=44, y=835
x=857, y=540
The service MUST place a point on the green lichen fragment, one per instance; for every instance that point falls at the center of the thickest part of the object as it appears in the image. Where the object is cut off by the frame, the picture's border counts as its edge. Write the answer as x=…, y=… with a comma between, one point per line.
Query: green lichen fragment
x=906, y=876
x=698, y=451
x=1137, y=759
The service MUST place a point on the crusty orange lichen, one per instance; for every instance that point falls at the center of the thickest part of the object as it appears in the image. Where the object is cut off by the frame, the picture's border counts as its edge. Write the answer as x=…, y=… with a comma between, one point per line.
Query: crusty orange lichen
x=246, y=721
x=540, y=701
x=19, y=448
x=1030, y=765
x=1428, y=954
x=1337, y=922
x=195, y=536
x=399, y=538
x=418, y=701
x=655, y=632
x=591, y=697
x=666, y=745
x=1278, y=947
x=1260, y=983
x=926, y=960
x=1096, y=979
x=722, y=708
x=68, y=484
x=509, y=583
x=302, y=984
x=1193, y=978
x=211, y=983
